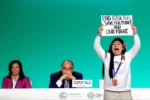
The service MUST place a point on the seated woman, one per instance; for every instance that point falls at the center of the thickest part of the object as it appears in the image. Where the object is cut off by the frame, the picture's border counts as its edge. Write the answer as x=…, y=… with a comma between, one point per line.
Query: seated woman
x=16, y=77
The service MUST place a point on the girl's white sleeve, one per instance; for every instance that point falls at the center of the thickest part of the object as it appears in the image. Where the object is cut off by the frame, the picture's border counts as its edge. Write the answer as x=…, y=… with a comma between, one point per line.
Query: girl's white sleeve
x=136, y=47
x=97, y=47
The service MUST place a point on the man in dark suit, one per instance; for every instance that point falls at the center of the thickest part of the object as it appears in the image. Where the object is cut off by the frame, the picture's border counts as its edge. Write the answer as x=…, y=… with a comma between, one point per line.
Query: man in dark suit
x=63, y=78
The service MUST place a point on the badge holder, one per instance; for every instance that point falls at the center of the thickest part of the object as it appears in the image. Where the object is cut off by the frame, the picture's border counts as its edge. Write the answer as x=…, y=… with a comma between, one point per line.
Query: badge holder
x=114, y=82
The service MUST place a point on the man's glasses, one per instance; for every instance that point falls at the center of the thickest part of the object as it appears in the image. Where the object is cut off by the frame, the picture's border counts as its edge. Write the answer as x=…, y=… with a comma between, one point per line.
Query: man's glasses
x=65, y=69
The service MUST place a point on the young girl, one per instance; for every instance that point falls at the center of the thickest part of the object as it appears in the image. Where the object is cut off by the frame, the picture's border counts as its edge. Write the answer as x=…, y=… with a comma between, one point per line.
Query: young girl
x=116, y=67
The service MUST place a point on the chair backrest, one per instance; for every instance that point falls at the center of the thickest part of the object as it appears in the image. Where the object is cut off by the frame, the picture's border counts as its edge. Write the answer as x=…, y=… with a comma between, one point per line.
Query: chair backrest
x=31, y=83
x=101, y=84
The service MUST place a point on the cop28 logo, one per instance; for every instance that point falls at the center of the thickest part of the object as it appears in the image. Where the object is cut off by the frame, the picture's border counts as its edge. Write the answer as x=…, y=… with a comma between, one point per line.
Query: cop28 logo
x=91, y=95
x=63, y=95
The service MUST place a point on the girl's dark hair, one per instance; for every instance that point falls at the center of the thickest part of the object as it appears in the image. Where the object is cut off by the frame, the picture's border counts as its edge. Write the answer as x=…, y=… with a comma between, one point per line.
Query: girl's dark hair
x=21, y=73
x=112, y=57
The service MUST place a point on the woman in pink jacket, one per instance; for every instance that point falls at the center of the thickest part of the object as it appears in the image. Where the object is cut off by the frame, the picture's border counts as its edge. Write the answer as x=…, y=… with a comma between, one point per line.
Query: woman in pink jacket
x=16, y=77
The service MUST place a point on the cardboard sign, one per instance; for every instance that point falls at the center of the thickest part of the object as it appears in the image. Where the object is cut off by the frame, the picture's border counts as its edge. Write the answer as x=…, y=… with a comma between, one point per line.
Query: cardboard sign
x=115, y=25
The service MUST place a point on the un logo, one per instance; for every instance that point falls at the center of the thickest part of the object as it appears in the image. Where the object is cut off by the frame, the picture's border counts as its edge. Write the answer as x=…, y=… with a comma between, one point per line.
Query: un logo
x=90, y=95
x=63, y=95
